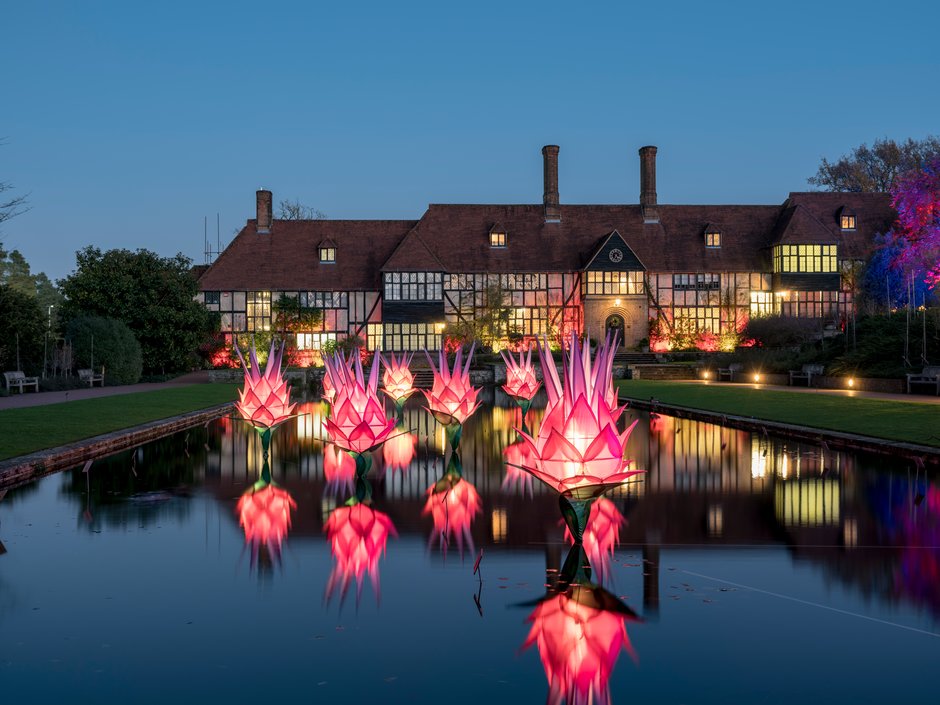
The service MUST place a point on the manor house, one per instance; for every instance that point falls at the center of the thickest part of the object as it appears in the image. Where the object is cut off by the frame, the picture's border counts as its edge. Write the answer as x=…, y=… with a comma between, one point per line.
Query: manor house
x=647, y=270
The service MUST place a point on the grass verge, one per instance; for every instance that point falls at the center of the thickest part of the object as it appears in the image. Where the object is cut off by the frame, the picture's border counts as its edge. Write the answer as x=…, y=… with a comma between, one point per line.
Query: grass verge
x=35, y=428
x=911, y=422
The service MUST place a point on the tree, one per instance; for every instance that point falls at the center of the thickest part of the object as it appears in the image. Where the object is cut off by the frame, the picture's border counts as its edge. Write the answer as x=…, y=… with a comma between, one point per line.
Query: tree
x=295, y=210
x=106, y=342
x=15, y=272
x=875, y=168
x=20, y=316
x=916, y=198
x=10, y=205
x=154, y=296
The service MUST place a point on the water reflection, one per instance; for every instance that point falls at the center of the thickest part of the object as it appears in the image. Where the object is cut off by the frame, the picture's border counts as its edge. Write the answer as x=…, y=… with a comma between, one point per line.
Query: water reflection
x=264, y=513
x=579, y=629
x=358, y=535
x=453, y=503
x=601, y=535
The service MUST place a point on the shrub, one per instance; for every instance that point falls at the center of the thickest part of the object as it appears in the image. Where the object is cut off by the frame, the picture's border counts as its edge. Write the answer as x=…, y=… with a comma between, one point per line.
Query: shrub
x=21, y=316
x=110, y=343
x=782, y=331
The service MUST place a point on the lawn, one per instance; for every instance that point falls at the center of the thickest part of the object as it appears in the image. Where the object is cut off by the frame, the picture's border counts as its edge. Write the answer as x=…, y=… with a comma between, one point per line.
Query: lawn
x=39, y=427
x=912, y=422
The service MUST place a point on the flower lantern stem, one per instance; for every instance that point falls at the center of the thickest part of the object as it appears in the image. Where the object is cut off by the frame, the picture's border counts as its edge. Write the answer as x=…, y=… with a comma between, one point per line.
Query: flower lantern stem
x=400, y=410
x=524, y=406
x=265, y=434
x=363, y=464
x=363, y=492
x=576, y=513
x=454, y=431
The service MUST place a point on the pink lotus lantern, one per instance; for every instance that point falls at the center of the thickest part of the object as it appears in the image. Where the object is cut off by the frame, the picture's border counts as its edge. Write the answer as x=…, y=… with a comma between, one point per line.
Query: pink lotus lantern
x=264, y=400
x=397, y=380
x=339, y=469
x=579, y=451
x=452, y=399
x=358, y=535
x=358, y=422
x=453, y=504
x=521, y=383
x=601, y=535
x=399, y=450
x=579, y=639
x=264, y=512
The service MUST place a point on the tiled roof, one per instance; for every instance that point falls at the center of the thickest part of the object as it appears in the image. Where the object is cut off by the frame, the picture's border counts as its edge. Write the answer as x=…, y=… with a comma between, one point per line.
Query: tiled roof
x=455, y=238
x=287, y=258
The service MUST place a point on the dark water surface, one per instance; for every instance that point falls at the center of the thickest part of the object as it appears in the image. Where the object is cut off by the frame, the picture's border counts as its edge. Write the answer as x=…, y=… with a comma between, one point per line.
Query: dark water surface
x=760, y=570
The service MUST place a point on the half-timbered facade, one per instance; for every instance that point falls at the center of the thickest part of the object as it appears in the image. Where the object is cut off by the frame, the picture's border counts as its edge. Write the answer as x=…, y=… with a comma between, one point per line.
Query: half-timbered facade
x=640, y=270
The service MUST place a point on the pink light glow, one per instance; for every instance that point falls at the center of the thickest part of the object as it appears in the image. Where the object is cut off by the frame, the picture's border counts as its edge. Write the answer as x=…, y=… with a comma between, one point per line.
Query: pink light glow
x=578, y=446
x=452, y=399
x=602, y=534
x=397, y=379
x=265, y=515
x=264, y=400
x=520, y=376
x=358, y=422
x=579, y=645
x=453, y=510
x=399, y=450
x=358, y=536
x=517, y=456
x=339, y=469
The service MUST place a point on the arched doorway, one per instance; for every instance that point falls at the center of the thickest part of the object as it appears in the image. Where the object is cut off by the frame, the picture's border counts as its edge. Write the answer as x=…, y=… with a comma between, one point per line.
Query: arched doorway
x=613, y=326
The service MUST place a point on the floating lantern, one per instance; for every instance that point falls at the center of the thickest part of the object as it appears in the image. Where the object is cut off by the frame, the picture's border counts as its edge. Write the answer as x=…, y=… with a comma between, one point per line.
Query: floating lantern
x=452, y=399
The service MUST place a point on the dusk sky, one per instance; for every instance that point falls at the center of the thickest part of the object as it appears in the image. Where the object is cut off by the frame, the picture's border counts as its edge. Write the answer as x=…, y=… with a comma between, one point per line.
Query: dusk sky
x=126, y=123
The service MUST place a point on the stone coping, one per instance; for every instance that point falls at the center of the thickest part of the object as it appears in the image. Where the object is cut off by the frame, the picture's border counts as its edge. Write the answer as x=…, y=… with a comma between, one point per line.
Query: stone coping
x=26, y=468
x=919, y=454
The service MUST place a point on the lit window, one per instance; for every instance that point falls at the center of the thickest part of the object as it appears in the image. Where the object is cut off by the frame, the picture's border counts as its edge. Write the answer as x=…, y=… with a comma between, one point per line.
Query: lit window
x=805, y=259
x=497, y=239
x=413, y=286
x=328, y=255
x=614, y=283
x=848, y=222
x=713, y=239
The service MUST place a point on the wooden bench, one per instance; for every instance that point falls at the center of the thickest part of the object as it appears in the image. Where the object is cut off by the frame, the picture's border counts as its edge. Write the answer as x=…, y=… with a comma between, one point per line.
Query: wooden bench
x=930, y=377
x=90, y=377
x=807, y=373
x=19, y=380
x=730, y=371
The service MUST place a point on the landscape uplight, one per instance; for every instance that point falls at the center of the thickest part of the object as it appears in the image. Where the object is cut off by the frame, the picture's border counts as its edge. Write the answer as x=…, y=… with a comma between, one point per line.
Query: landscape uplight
x=757, y=377
x=851, y=381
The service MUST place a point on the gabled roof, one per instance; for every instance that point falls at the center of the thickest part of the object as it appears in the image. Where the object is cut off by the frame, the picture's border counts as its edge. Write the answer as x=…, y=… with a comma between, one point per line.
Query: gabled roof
x=873, y=216
x=630, y=261
x=798, y=226
x=287, y=258
x=413, y=255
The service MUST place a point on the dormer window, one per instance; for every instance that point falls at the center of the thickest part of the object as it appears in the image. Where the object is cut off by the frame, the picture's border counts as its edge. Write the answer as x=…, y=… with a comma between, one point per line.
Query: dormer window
x=327, y=255
x=712, y=236
x=497, y=236
x=846, y=218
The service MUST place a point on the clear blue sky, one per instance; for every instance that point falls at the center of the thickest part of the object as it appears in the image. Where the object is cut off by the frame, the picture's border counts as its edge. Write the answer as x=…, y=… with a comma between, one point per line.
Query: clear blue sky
x=128, y=122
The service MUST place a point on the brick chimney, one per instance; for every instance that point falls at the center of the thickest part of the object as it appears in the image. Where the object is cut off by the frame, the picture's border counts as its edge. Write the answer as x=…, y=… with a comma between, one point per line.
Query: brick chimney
x=264, y=200
x=648, y=184
x=550, y=197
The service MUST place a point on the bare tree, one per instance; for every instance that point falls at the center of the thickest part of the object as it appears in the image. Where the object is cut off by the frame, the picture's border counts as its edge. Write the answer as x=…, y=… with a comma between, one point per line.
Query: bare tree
x=10, y=205
x=875, y=168
x=295, y=210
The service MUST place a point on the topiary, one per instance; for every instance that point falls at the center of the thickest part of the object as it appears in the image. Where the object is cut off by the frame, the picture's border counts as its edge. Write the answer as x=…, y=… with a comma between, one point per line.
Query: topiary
x=106, y=342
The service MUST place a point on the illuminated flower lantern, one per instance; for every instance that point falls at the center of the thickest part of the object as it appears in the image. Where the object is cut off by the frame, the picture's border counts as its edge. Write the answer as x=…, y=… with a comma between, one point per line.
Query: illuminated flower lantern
x=358, y=535
x=358, y=422
x=602, y=534
x=399, y=450
x=264, y=512
x=264, y=400
x=521, y=384
x=578, y=450
x=397, y=381
x=339, y=469
x=580, y=630
x=453, y=504
x=452, y=399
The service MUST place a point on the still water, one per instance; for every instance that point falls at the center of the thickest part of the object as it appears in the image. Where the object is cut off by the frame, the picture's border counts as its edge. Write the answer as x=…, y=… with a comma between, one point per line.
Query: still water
x=755, y=570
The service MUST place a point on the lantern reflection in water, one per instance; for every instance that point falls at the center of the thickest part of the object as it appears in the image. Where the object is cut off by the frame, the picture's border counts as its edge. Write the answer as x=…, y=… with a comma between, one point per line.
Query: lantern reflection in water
x=399, y=450
x=453, y=504
x=358, y=535
x=516, y=457
x=339, y=469
x=264, y=512
x=602, y=535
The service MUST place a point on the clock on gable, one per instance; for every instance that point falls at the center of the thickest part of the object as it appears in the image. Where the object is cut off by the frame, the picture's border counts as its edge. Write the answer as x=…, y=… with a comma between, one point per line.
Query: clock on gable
x=616, y=255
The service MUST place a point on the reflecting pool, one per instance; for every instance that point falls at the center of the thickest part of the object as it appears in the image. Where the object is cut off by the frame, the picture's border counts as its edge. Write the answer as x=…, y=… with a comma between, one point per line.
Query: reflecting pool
x=740, y=567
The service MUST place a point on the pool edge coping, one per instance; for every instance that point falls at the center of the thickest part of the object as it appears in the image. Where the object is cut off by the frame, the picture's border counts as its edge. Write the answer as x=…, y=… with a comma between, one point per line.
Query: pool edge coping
x=23, y=469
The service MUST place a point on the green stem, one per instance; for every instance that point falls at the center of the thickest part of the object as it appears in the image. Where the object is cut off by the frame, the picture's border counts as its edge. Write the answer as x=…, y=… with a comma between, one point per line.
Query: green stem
x=576, y=513
x=454, y=431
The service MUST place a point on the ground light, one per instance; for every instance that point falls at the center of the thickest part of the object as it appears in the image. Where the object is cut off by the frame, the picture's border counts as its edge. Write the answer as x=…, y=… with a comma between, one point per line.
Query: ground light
x=757, y=378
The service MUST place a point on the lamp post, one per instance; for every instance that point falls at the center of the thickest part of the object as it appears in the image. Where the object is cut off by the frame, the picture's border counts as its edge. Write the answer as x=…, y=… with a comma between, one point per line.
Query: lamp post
x=45, y=342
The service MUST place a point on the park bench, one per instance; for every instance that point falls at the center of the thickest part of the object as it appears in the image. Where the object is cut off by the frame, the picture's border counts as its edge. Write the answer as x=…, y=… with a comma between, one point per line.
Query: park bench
x=730, y=371
x=930, y=377
x=90, y=377
x=19, y=380
x=807, y=373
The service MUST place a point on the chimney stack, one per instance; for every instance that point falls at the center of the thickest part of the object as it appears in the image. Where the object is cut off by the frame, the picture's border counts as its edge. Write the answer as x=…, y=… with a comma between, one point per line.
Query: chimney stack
x=550, y=197
x=648, y=184
x=264, y=200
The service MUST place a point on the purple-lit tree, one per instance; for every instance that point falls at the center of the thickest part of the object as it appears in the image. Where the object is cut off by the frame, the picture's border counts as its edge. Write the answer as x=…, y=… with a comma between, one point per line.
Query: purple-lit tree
x=916, y=236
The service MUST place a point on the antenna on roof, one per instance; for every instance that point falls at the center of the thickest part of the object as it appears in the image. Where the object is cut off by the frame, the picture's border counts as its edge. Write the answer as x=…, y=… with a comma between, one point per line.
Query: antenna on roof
x=209, y=252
